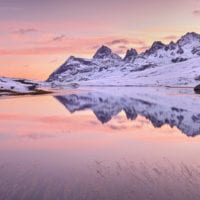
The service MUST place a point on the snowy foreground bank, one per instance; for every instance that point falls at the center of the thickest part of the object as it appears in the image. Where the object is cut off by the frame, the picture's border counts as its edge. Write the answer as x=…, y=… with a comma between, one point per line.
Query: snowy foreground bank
x=14, y=86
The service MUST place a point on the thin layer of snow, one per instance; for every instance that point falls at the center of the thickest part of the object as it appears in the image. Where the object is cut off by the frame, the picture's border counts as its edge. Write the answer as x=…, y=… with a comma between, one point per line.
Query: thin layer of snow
x=13, y=85
x=178, y=74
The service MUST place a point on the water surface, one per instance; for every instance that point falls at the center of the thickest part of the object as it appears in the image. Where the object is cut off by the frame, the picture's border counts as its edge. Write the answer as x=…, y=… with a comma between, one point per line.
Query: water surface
x=114, y=143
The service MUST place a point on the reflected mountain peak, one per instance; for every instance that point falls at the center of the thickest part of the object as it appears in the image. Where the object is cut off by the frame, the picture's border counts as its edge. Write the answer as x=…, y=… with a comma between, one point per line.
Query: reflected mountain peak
x=106, y=106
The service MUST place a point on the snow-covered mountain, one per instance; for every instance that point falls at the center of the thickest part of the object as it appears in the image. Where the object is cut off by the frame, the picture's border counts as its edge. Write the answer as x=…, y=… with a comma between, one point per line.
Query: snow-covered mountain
x=159, y=109
x=162, y=64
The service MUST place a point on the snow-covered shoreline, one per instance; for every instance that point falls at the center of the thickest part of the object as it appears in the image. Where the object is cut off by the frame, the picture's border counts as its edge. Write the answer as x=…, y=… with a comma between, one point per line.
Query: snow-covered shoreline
x=16, y=86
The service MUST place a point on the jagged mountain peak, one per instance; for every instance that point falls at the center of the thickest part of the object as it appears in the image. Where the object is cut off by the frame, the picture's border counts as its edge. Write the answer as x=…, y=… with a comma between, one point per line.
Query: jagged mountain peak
x=155, y=46
x=105, y=52
x=172, y=45
x=130, y=56
x=188, y=38
x=158, y=45
x=71, y=58
x=106, y=64
x=191, y=35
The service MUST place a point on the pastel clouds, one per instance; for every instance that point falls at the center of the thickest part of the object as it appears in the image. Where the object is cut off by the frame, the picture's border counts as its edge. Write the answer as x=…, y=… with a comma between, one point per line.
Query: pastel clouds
x=171, y=37
x=37, y=32
x=75, y=27
x=61, y=44
x=59, y=38
x=196, y=12
x=23, y=31
x=126, y=41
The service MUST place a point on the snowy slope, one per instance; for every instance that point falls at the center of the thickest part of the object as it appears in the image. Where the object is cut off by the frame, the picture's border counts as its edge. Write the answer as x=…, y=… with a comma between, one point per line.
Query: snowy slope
x=79, y=69
x=180, y=74
x=15, y=86
x=171, y=64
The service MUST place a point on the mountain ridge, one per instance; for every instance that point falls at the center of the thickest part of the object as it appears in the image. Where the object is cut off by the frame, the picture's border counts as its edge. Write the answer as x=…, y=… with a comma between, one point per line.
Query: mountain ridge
x=106, y=64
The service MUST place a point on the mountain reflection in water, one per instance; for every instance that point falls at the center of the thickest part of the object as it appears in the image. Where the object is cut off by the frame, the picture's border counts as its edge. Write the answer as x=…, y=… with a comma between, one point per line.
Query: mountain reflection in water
x=159, y=111
x=48, y=153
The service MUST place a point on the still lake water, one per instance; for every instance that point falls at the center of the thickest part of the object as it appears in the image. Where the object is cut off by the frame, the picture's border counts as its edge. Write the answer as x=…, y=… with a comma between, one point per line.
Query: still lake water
x=135, y=143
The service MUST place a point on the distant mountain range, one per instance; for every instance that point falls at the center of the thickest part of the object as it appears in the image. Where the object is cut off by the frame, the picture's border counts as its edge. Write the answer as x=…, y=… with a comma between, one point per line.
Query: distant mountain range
x=162, y=64
x=174, y=65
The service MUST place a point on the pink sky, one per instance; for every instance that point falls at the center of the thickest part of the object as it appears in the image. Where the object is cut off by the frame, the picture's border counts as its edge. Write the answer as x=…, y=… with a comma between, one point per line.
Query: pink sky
x=38, y=36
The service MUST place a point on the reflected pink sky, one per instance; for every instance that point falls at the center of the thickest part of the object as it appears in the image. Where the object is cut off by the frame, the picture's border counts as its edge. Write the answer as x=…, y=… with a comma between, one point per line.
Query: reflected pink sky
x=42, y=123
x=44, y=149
